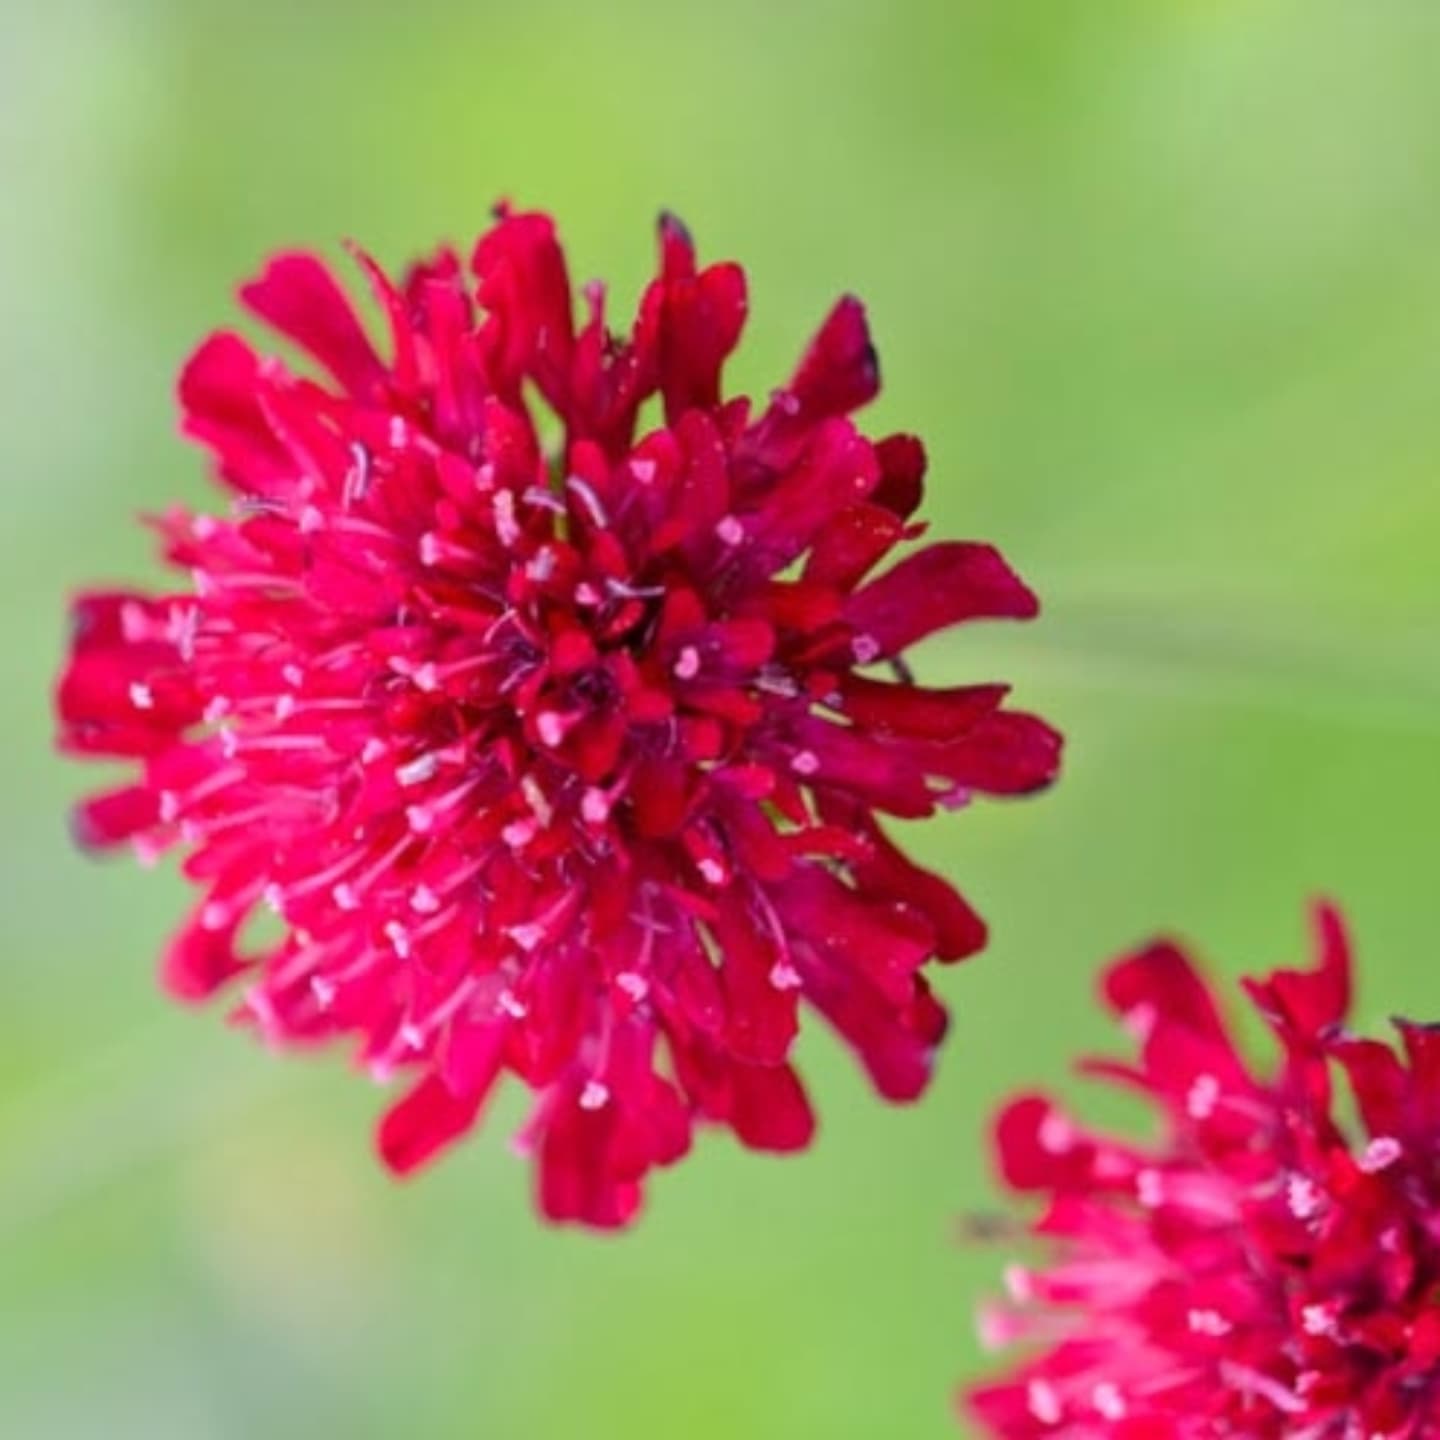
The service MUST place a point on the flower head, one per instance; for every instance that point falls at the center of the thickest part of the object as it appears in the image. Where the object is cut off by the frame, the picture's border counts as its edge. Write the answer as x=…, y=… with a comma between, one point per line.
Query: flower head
x=1266, y=1266
x=555, y=750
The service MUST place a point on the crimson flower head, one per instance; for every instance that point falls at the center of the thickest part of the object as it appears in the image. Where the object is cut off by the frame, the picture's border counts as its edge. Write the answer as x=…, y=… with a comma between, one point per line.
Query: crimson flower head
x=556, y=741
x=1268, y=1265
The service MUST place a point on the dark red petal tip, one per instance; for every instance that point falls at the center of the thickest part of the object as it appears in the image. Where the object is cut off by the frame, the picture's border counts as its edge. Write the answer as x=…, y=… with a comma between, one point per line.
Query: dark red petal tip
x=840, y=371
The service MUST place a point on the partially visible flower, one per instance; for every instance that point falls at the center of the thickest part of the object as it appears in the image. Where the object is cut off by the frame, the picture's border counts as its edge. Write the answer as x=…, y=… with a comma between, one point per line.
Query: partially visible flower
x=556, y=751
x=1267, y=1265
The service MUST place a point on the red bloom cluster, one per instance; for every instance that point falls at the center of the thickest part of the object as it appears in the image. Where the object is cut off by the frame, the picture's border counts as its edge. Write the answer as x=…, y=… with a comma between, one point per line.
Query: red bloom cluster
x=555, y=750
x=1256, y=1272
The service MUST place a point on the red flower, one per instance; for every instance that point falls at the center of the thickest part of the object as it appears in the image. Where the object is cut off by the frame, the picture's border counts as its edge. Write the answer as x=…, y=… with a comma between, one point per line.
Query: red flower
x=554, y=750
x=1264, y=1268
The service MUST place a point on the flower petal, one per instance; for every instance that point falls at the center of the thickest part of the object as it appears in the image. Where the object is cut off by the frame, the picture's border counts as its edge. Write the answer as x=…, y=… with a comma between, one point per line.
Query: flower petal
x=428, y=1120
x=939, y=586
x=840, y=370
x=297, y=294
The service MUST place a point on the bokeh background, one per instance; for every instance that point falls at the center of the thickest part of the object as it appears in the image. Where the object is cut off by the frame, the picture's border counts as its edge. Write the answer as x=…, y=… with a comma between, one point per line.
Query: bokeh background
x=1159, y=282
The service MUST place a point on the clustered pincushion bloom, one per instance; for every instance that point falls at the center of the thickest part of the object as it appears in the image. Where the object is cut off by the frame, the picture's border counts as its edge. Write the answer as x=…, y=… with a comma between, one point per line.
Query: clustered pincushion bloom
x=1268, y=1266
x=556, y=751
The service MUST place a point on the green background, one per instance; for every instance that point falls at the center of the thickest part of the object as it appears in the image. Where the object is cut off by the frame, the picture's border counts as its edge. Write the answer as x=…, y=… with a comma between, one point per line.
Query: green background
x=1158, y=282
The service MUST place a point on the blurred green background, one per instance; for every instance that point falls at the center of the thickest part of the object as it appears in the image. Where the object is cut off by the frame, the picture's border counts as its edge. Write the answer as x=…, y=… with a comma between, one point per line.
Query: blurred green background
x=1159, y=282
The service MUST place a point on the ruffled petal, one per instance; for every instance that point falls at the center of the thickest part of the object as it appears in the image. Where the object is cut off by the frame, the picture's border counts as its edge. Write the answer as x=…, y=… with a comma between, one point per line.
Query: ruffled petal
x=692, y=321
x=428, y=1120
x=297, y=294
x=840, y=370
x=939, y=586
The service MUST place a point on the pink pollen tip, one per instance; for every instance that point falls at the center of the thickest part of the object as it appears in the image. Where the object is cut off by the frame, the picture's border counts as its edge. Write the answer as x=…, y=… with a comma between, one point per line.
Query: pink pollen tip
x=1382, y=1152
x=1109, y=1403
x=527, y=937
x=1056, y=1134
x=1018, y=1284
x=865, y=648
x=632, y=985
x=417, y=771
x=1043, y=1402
x=784, y=976
x=1208, y=1322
